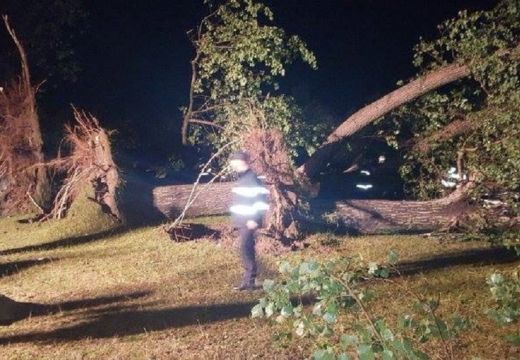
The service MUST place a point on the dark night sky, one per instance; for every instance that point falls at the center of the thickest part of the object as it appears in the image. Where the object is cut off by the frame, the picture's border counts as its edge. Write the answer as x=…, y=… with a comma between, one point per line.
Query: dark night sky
x=136, y=55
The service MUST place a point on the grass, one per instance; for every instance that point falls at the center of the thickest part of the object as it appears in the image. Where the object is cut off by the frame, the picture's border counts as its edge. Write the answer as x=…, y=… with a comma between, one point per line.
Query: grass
x=117, y=293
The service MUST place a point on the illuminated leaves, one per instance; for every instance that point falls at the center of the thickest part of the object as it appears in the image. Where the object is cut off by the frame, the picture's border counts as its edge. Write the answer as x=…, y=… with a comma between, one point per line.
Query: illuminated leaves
x=340, y=319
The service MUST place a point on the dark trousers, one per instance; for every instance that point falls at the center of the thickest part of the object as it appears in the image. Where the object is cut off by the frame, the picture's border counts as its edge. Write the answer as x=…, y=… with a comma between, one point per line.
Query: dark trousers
x=248, y=255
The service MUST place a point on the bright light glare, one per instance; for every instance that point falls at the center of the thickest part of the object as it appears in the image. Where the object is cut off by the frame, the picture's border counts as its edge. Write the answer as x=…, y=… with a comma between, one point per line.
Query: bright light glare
x=448, y=184
x=364, y=186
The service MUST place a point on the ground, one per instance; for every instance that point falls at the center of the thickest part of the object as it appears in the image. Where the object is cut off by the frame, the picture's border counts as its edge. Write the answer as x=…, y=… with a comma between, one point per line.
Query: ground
x=134, y=294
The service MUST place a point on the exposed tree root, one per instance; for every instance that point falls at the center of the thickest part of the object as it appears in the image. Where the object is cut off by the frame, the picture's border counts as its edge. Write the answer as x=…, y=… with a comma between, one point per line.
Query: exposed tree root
x=20, y=143
x=89, y=163
x=270, y=158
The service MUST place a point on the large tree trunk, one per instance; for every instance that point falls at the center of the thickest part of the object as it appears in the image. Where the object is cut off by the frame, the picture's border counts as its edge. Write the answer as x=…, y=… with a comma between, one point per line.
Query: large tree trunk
x=368, y=114
x=171, y=200
x=383, y=216
x=362, y=216
x=375, y=110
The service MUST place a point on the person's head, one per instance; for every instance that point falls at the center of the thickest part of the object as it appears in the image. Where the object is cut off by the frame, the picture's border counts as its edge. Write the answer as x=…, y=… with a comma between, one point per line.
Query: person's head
x=239, y=161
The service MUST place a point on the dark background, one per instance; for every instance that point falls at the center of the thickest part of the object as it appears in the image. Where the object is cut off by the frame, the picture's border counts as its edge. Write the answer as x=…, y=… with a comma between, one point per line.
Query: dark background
x=134, y=58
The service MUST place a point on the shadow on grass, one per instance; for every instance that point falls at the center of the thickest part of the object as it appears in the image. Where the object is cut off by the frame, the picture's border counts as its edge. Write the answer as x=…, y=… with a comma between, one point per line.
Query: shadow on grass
x=70, y=241
x=91, y=302
x=477, y=257
x=23, y=310
x=11, y=268
x=121, y=321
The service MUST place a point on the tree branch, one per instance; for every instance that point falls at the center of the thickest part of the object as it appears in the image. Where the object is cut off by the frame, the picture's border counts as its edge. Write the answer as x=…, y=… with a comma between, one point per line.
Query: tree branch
x=455, y=128
x=375, y=110
x=368, y=114
x=35, y=137
x=205, y=122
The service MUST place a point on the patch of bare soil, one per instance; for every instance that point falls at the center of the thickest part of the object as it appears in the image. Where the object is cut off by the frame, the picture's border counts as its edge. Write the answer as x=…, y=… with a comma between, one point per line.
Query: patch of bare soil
x=226, y=236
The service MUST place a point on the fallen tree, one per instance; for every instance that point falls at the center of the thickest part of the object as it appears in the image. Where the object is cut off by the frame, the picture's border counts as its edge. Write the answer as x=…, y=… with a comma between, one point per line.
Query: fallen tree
x=375, y=110
x=357, y=216
x=383, y=216
x=474, y=53
x=367, y=115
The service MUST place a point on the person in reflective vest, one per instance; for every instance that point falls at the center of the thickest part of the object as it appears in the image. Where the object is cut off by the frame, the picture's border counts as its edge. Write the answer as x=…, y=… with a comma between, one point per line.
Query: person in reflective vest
x=247, y=210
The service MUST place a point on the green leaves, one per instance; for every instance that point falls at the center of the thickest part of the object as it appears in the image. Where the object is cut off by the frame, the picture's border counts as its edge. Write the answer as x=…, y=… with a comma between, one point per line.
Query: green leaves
x=340, y=318
x=505, y=291
x=393, y=257
x=322, y=354
x=257, y=311
x=330, y=317
x=287, y=311
x=487, y=149
x=239, y=57
x=365, y=352
x=268, y=285
x=348, y=341
x=388, y=355
x=377, y=270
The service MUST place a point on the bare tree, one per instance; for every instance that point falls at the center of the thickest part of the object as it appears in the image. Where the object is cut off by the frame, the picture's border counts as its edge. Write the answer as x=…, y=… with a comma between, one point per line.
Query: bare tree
x=23, y=177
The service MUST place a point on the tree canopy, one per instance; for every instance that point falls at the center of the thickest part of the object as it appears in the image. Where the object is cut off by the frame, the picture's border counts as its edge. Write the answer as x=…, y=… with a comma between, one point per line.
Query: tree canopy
x=239, y=57
x=473, y=126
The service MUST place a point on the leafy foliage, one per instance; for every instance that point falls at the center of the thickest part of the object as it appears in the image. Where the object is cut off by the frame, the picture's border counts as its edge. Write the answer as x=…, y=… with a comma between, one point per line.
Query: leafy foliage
x=329, y=302
x=239, y=56
x=505, y=291
x=488, y=148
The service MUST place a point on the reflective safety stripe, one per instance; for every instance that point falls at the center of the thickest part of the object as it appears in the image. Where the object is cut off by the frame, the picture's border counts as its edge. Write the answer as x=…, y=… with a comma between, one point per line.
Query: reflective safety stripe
x=250, y=191
x=243, y=210
x=247, y=210
x=261, y=206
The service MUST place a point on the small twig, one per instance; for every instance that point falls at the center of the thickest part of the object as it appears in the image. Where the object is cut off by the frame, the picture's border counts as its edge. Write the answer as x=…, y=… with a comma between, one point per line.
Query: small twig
x=40, y=209
x=446, y=345
x=192, y=197
x=205, y=122
x=362, y=307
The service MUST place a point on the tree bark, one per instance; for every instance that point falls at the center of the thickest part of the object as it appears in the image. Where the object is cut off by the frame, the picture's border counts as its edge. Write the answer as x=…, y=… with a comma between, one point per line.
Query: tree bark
x=375, y=110
x=383, y=216
x=368, y=114
x=170, y=200
x=453, y=129
x=361, y=216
